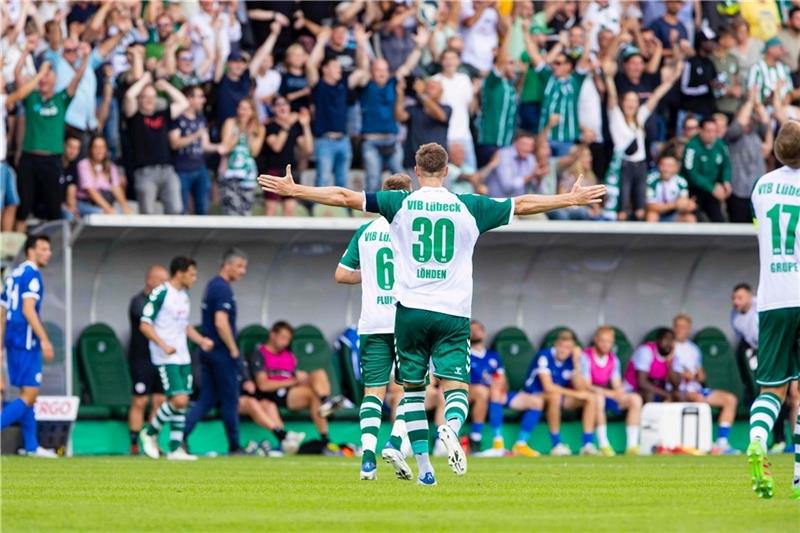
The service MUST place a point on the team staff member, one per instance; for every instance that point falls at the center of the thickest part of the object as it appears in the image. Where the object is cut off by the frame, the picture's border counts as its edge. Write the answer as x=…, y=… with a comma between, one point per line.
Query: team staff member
x=221, y=365
x=25, y=340
x=144, y=376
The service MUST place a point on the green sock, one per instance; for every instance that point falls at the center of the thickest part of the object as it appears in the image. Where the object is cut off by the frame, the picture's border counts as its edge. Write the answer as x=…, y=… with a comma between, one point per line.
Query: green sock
x=177, y=424
x=163, y=416
x=456, y=407
x=416, y=420
x=370, y=421
x=763, y=413
x=399, y=427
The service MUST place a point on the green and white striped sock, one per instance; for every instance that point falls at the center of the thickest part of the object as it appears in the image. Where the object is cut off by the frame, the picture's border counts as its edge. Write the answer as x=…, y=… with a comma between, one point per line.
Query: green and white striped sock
x=163, y=416
x=456, y=408
x=796, y=442
x=763, y=414
x=370, y=420
x=177, y=423
x=399, y=426
x=416, y=420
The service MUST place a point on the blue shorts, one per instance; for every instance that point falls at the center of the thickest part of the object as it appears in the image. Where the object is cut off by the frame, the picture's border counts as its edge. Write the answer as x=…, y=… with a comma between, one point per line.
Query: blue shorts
x=612, y=406
x=8, y=186
x=24, y=367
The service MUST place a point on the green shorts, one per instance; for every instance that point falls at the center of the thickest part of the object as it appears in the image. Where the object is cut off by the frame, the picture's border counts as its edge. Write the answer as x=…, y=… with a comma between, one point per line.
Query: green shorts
x=377, y=358
x=177, y=379
x=778, y=346
x=422, y=336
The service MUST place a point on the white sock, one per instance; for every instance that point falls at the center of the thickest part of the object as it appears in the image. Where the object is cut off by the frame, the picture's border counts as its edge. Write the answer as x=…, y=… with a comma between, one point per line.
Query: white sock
x=602, y=436
x=796, y=480
x=477, y=437
x=423, y=463
x=632, y=433
x=455, y=424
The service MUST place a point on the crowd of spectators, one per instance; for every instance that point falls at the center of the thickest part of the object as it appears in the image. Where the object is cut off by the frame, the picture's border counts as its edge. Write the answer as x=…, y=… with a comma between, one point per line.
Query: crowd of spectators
x=130, y=106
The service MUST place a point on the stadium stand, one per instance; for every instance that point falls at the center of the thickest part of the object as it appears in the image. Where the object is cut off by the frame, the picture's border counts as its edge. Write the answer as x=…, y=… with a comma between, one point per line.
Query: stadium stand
x=622, y=347
x=720, y=364
x=105, y=371
x=516, y=352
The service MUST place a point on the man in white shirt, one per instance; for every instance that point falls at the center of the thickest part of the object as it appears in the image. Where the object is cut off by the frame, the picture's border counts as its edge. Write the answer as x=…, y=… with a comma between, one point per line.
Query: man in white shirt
x=459, y=93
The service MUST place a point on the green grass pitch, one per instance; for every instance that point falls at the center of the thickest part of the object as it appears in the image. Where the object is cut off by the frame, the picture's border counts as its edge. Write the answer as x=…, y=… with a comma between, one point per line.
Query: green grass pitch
x=324, y=494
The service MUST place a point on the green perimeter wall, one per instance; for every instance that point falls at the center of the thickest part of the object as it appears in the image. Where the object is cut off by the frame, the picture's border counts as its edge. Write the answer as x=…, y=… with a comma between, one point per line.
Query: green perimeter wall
x=110, y=437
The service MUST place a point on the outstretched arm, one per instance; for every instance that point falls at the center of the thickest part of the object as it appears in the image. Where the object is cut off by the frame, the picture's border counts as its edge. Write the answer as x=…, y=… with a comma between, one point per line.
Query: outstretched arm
x=333, y=196
x=347, y=277
x=530, y=204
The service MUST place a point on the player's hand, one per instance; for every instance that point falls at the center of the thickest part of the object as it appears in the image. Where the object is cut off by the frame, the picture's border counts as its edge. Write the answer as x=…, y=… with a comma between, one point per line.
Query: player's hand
x=587, y=195
x=169, y=350
x=249, y=387
x=206, y=344
x=47, y=351
x=283, y=186
x=302, y=377
x=235, y=353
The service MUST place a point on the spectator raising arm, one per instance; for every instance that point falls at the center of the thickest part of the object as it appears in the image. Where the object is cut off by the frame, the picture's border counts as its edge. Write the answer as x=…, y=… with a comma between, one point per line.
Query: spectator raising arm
x=265, y=50
x=178, y=102
x=669, y=75
x=316, y=56
x=23, y=91
x=84, y=50
x=130, y=103
x=421, y=39
x=430, y=106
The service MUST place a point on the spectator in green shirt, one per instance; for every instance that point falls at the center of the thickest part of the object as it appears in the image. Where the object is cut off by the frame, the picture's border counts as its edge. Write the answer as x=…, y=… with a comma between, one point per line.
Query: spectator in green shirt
x=532, y=87
x=562, y=82
x=45, y=121
x=707, y=168
x=498, y=111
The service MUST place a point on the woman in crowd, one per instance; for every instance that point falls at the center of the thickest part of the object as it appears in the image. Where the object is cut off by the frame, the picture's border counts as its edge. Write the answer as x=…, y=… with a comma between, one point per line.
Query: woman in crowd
x=99, y=183
x=242, y=137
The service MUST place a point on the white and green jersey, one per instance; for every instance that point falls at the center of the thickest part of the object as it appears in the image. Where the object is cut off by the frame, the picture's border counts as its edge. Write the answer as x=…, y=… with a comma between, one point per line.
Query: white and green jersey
x=167, y=309
x=370, y=251
x=765, y=79
x=433, y=233
x=776, y=202
x=665, y=191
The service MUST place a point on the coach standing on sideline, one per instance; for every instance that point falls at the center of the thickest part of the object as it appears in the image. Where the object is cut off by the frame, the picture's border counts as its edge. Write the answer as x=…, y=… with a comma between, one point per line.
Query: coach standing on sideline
x=221, y=366
x=144, y=376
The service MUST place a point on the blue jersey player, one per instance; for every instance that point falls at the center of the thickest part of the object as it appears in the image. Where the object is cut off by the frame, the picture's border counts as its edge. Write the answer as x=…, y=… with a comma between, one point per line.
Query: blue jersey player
x=487, y=389
x=554, y=379
x=25, y=340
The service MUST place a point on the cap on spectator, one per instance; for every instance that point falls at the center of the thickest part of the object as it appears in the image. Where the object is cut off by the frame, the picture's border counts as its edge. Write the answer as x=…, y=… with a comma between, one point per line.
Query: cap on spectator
x=237, y=55
x=631, y=51
x=772, y=41
x=538, y=28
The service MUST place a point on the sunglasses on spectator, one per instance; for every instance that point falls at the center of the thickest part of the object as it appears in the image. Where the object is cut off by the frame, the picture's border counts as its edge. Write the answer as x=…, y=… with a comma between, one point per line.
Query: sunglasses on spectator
x=559, y=63
x=185, y=58
x=70, y=50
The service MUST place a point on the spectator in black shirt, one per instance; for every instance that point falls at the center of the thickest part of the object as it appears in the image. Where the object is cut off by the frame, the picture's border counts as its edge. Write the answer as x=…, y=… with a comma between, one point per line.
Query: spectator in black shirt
x=233, y=86
x=286, y=133
x=144, y=376
x=154, y=176
x=698, y=82
x=294, y=84
x=426, y=120
x=68, y=180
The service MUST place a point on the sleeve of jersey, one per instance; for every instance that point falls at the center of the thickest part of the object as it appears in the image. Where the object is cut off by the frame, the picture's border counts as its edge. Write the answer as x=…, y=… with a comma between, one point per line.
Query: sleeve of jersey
x=33, y=286
x=489, y=213
x=153, y=305
x=351, y=260
x=220, y=299
x=386, y=203
x=586, y=370
x=642, y=358
x=617, y=374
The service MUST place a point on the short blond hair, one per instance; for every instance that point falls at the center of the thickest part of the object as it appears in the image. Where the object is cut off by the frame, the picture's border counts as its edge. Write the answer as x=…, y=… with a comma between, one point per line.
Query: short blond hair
x=682, y=316
x=787, y=144
x=431, y=159
x=397, y=182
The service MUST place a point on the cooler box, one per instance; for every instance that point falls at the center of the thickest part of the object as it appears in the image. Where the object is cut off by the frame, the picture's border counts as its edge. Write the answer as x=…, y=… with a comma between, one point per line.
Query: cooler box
x=673, y=425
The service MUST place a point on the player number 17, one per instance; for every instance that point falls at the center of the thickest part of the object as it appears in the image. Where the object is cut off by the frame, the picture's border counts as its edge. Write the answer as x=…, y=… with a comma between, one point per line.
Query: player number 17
x=774, y=215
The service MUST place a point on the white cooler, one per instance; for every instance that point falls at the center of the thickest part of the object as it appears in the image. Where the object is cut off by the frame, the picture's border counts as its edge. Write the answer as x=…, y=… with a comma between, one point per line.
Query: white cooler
x=673, y=425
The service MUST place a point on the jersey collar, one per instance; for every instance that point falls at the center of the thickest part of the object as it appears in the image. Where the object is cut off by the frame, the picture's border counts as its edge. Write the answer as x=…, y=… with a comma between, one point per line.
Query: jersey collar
x=31, y=264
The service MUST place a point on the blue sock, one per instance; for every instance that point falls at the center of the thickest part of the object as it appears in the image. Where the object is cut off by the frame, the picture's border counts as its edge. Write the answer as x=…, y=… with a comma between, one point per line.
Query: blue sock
x=555, y=439
x=496, y=418
x=13, y=412
x=588, y=438
x=724, y=431
x=529, y=421
x=28, y=423
x=477, y=430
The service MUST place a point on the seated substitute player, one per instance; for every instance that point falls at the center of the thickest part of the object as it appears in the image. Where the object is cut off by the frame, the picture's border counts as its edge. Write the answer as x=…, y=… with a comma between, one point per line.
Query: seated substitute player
x=776, y=202
x=265, y=414
x=487, y=389
x=283, y=385
x=369, y=260
x=668, y=193
x=554, y=374
x=25, y=341
x=165, y=323
x=687, y=368
x=433, y=234
x=649, y=370
x=602, y=370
